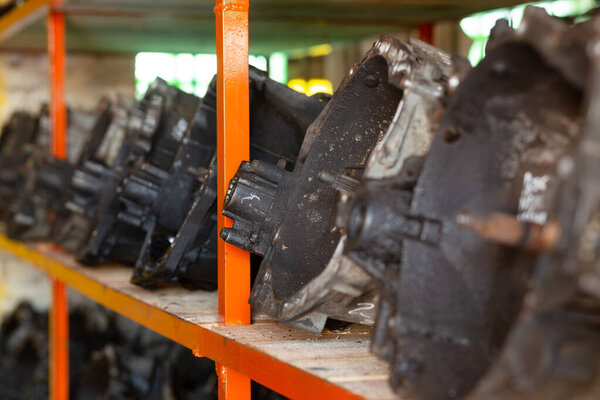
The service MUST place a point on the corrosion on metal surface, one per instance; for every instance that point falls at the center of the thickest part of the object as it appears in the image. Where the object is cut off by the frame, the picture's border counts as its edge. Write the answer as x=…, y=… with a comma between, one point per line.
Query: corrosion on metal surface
x=506, y=229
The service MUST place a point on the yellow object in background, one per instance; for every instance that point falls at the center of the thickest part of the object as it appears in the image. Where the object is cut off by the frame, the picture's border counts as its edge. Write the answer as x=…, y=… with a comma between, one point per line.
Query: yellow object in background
x=318, y=86
x=3, y=295
x=311, y=87
x=299, y=85
x=320, y=50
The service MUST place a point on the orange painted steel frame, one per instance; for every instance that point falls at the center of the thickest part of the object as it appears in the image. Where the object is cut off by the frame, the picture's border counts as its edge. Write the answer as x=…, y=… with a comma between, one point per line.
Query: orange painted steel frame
x=426, y=33
x=21, y=17
x=284, y=378
x=59, y=314
x=59, y=342
x=56, y=56
x=233, y=146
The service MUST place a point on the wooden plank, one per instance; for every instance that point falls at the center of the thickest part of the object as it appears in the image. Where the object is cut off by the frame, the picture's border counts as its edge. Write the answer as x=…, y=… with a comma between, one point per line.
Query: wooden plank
x=338, y=357
x=197, y=307
x=336, y=364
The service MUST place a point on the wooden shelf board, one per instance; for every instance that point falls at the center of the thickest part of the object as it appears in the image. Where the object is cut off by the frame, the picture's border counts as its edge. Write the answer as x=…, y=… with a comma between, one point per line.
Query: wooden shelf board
x=294, y=363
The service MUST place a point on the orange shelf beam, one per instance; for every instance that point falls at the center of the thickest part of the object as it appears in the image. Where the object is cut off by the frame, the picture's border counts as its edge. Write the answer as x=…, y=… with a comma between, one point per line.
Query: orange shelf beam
x=205, y=340
x=22, y=16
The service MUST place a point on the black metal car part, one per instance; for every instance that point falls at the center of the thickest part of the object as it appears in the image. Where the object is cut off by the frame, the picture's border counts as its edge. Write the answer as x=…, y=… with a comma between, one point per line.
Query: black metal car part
x=17, y=142
x=185, y=251
x=289, y=217
x=35, y=207
x=448, y=296
x=151, y=132
x=107, y=154
x=553, y=349
x=429, y=77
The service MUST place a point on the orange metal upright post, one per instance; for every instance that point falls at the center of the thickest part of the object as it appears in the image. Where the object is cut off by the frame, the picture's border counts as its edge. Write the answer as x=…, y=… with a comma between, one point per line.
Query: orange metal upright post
x=56, y=59
x=59, y=314
x=426, y=33
x=233, y=146
x=59, y=342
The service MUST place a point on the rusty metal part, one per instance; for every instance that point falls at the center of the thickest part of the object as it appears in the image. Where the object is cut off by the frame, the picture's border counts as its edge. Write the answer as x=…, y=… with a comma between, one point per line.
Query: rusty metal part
x=507, y=230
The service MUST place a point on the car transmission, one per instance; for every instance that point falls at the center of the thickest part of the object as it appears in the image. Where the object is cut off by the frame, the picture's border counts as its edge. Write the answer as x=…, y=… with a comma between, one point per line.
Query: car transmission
x=17, y=142
x=449, y=294
x=289, y=217
x=152, y=130
x=183, y=247
x=37, y=203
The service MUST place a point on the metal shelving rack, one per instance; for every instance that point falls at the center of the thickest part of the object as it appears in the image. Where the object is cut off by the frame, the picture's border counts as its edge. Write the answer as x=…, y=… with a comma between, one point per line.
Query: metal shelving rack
x=294, y=363
x=214, y=325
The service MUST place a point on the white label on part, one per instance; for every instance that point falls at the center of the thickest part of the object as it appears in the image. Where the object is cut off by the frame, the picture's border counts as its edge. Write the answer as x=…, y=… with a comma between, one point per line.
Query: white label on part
x=532, y=204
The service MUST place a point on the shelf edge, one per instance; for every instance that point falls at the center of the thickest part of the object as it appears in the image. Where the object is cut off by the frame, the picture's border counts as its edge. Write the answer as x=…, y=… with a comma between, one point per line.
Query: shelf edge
x=22, y=16
x=278, y=375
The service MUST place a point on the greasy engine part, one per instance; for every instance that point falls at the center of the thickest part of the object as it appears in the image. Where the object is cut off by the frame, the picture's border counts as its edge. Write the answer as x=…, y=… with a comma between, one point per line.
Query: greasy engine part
x=289, y=217
x=553, y=350
x=24, y=354
x=105, y=157
x=110, y=357
x=155, y=200
x=448, y=296
x=152, y=131
x=36, y=204
x=170, y=114
x=16, y=145
x=183, y=247
x=430, y=76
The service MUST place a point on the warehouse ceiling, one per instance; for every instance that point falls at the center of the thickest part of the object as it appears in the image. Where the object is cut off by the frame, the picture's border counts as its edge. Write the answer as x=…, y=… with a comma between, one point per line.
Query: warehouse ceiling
x=188, y=26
